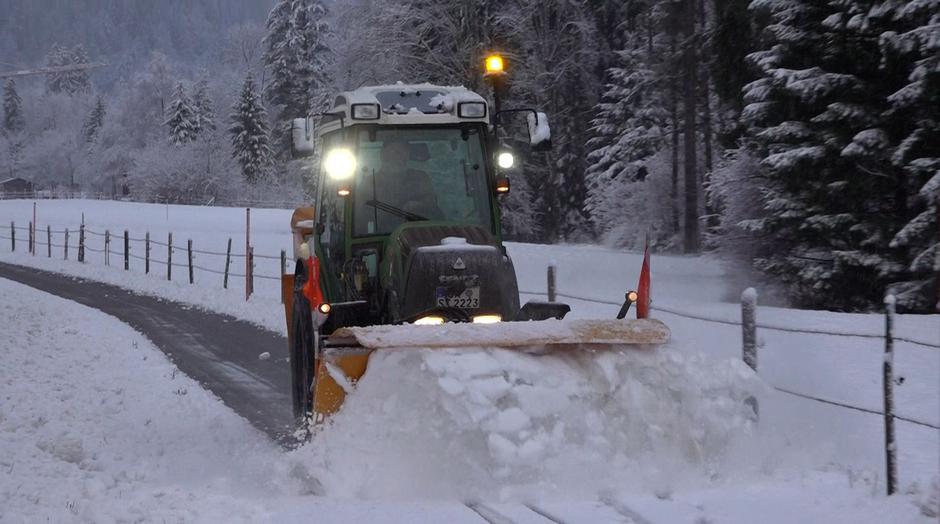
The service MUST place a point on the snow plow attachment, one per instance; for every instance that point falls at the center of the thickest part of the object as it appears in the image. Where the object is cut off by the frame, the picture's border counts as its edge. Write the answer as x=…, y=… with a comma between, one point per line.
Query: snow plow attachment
x=343, y=356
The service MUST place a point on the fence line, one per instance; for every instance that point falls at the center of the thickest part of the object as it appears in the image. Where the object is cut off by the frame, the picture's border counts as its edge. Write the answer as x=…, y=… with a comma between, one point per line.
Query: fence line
x=856, y=408
x=771, y=327
x=155, y=199
x=124, y=251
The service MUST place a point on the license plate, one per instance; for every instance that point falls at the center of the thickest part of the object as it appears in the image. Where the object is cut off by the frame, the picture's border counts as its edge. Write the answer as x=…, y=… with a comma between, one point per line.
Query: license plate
x=468, y=299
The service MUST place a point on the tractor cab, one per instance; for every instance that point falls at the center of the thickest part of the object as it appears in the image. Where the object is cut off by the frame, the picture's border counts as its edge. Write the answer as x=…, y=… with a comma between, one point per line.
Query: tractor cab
x=406, y=225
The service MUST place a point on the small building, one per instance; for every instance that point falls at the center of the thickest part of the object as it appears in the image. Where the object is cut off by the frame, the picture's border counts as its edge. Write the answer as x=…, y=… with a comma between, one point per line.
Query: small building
x=16, y=188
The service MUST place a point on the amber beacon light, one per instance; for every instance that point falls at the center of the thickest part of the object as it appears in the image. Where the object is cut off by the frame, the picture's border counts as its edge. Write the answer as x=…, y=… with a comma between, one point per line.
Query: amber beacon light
x=494, y=65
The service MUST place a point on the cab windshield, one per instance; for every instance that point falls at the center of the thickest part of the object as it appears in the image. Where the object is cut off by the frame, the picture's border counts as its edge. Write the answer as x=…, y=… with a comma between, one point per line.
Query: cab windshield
x=415, y=174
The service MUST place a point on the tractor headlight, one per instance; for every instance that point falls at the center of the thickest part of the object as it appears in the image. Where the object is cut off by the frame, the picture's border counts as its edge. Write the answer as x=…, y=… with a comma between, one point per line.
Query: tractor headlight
x=505, y=160
x=339, y=164
x=365, y=111
x=471, y=109
x=487, y=319
x=429, y=321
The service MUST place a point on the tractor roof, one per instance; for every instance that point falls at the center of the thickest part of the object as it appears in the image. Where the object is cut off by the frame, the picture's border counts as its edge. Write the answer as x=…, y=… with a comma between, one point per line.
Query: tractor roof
x=403, y=104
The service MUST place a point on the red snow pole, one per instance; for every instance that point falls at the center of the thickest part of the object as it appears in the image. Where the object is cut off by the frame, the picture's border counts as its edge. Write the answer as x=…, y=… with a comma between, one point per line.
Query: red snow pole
x=312, y=286
x=643, y=287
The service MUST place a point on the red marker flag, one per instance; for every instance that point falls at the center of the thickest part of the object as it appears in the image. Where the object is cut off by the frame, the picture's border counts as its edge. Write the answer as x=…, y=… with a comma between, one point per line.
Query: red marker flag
x=312, y=286
x=643, y=287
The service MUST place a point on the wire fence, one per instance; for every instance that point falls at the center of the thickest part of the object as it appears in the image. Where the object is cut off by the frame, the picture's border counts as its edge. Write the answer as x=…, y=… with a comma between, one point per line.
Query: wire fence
x=118, y=252
x=152, y=199
x=716, y=320
x=771, y=327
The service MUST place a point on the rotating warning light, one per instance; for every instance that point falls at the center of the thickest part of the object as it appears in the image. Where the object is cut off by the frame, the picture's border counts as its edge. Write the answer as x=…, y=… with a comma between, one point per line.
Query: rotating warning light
x=494, y=65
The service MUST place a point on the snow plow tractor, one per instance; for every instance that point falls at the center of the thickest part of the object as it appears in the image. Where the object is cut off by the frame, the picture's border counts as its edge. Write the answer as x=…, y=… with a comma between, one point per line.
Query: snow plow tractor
x=403, y=248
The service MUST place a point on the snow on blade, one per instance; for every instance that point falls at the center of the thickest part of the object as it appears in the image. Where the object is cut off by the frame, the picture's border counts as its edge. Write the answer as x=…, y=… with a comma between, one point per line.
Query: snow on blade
x=510, y=334
x=500, y=423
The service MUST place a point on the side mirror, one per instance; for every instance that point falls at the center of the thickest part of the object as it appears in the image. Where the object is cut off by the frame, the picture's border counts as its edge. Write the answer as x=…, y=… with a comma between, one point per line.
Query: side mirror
x=540, y=134
x=302, y=137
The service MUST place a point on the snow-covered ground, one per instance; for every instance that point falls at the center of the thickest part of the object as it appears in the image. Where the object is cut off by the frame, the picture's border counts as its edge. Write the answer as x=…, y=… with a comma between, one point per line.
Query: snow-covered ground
x=661, y=431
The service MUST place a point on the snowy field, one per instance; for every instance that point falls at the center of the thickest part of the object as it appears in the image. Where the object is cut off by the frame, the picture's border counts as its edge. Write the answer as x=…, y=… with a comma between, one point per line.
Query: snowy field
x=658, y=434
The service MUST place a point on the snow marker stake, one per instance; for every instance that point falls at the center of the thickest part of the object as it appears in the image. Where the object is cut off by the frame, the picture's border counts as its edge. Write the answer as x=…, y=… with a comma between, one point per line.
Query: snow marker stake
x=891, y=446
x=643, y=287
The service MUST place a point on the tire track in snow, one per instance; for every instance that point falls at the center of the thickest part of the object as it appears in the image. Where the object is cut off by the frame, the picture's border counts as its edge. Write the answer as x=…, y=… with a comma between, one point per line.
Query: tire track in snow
x=512, y=513
x=545, y=514
x=608, y=500
x=488, y=514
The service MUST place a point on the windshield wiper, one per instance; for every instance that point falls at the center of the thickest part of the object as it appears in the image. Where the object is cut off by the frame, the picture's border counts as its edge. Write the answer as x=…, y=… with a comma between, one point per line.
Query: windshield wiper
x=388, y=208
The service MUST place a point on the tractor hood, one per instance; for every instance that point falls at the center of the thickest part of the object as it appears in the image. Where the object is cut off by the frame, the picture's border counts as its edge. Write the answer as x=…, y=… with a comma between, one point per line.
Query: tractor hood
x=460, y=271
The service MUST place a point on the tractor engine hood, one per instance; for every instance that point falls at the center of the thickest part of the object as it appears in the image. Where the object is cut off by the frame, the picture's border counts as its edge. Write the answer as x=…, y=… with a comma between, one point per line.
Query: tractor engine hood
x=454, y=271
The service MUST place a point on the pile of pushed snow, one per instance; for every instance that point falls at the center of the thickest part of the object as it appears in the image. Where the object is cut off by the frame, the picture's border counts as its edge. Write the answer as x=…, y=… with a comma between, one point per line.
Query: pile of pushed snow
x=501, y=423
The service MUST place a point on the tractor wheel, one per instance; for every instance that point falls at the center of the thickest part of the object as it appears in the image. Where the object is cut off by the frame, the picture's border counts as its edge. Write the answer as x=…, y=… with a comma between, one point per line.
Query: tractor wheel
x=303, y=339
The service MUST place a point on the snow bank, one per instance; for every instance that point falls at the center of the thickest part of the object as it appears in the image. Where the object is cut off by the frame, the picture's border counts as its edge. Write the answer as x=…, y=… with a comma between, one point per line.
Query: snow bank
x=497, y=423
x=96, y=425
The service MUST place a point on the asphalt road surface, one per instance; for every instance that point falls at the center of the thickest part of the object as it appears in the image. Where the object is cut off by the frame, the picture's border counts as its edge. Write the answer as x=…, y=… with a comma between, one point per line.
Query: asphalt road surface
x=219, y=351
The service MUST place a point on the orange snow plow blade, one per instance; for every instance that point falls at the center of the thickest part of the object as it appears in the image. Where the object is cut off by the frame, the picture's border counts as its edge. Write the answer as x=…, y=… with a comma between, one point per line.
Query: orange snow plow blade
x=345, y=354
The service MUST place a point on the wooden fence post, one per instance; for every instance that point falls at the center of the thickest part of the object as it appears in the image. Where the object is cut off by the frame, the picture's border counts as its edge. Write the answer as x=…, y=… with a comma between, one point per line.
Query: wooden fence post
x=169, y=256
x=127, y=251
x=66, y=248
x=891, y=446
x=250, y=282
x=29, y=239
x=81, y=243
x=749, y=327
x=283, y=269
x=107, y=247
x=247, y=253
x=228, y=259
x=551, y=283
x=13, y=236
x=147, y=253
x=189, y=256
x=48, y=241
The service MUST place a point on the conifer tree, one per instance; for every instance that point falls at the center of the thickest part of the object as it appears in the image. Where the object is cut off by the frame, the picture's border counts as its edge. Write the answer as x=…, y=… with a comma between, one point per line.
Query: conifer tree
x=75, y=82
x=628, y=129
x=250, y=133
x=820, y=120
x=909, y=36
x=202, y=105
x=68, y=82
x=94, y=122
x=296, y=56
x=182, y=120
x=56, y=57
x=13, y=121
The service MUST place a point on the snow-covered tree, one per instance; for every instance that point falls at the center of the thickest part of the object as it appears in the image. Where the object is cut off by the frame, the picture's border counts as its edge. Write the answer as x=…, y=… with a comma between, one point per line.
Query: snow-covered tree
x=249, y=132
x=202, y=106
x=629, y=128
x=13, y=121
x=911, y=44
x=68, y=82
x=182, y=119
x=297, y=58
x=94, y=122
x=820, y=119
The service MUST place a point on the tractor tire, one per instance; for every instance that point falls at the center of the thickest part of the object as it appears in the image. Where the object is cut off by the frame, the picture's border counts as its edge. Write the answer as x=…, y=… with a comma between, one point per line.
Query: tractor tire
x=303, y=339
